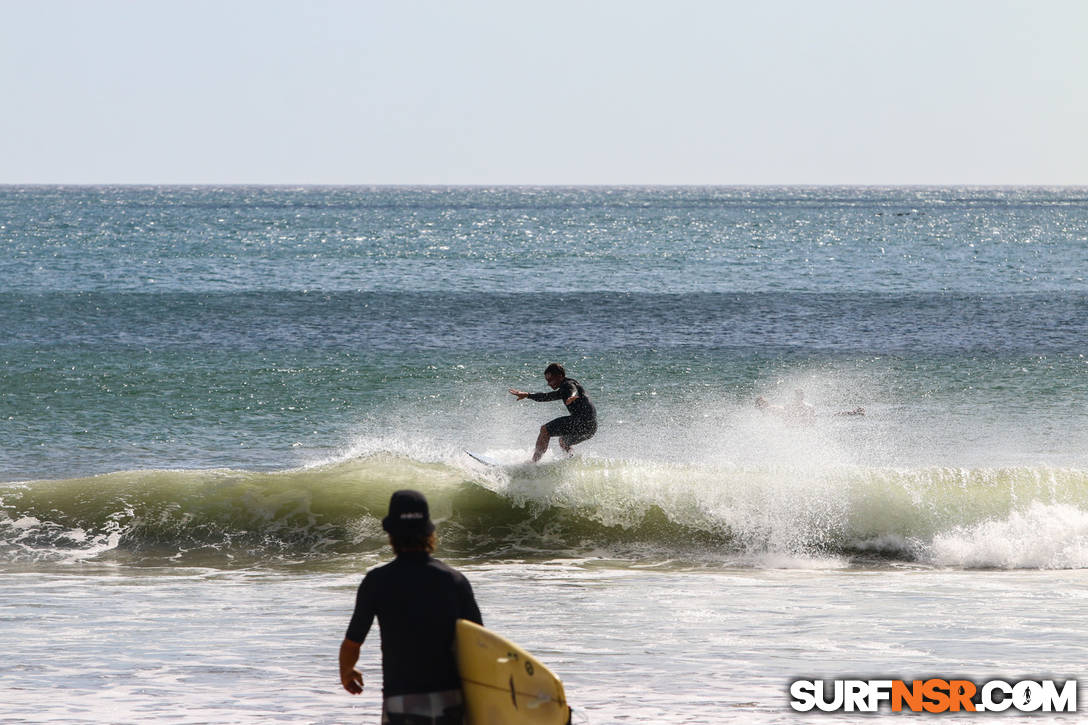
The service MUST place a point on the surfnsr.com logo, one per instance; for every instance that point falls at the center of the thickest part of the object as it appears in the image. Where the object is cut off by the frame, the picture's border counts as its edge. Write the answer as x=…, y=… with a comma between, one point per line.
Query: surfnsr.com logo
x=933, y=695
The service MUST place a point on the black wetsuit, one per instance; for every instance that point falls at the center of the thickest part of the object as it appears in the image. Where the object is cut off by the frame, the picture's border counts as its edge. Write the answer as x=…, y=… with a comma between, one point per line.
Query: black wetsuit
x=417, y=600
x=581, y=424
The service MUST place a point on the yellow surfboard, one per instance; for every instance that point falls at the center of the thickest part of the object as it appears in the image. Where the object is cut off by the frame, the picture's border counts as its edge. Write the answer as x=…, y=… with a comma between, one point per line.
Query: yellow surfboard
x=505, y=685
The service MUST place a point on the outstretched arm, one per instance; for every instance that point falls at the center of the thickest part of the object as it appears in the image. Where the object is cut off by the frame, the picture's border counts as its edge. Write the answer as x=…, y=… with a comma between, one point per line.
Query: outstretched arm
x=538, y=397
x=565, y=392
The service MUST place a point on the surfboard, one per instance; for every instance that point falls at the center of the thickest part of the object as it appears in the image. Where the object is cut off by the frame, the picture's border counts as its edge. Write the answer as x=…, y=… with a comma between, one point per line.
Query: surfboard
x=505, y=685
x=483, y=459
x=488, y=461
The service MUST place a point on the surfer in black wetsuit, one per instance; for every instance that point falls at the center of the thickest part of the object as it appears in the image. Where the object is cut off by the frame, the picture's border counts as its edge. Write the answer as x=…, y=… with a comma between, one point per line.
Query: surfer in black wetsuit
x=417, y=600
x=572, y=429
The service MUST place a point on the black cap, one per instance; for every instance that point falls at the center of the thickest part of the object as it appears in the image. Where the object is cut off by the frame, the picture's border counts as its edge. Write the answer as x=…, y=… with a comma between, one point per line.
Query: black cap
x=408, y=514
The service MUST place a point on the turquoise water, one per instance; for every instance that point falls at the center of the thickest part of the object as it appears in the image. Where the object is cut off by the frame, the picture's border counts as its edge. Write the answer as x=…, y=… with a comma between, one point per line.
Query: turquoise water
x=266, y=328
x=208, y=394
x=262, y=330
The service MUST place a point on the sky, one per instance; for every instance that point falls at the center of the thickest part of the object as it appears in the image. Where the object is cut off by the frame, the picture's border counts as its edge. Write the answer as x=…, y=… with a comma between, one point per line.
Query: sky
x=981, y=92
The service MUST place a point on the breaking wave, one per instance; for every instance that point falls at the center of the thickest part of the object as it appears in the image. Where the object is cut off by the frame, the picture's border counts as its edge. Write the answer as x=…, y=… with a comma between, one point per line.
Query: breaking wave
x=1016, y=517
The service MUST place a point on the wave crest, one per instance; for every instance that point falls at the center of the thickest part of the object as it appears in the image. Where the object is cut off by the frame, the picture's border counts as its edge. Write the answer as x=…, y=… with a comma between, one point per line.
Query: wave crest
x=1032, y=517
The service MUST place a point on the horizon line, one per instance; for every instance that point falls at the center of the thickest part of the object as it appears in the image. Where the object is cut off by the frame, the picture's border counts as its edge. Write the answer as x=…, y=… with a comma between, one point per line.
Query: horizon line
x=635, y=185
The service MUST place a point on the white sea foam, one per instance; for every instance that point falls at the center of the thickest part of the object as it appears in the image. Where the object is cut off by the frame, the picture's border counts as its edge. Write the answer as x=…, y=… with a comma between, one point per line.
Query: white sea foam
x=1044, y=536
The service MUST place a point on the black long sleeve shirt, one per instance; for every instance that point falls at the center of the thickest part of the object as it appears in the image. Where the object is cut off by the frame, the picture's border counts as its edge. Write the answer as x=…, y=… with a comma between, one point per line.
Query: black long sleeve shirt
x=580, y=407
x=417, y=600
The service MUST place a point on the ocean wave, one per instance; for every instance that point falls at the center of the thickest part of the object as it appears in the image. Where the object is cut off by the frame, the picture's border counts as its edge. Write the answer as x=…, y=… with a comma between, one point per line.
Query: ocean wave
x=1017, y=517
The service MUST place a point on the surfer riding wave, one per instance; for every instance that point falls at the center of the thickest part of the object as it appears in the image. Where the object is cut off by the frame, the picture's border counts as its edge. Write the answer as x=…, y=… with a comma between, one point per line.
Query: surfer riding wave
x=577, y=427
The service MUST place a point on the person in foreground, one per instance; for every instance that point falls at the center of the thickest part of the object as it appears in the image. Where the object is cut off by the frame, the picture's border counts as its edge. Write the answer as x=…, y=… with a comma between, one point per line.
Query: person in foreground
x=579, y=426
x=417, y=600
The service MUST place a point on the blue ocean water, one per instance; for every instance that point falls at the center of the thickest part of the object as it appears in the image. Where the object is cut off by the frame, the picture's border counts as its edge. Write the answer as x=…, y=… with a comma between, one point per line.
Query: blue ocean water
x=208, y=394
x=270, y=330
